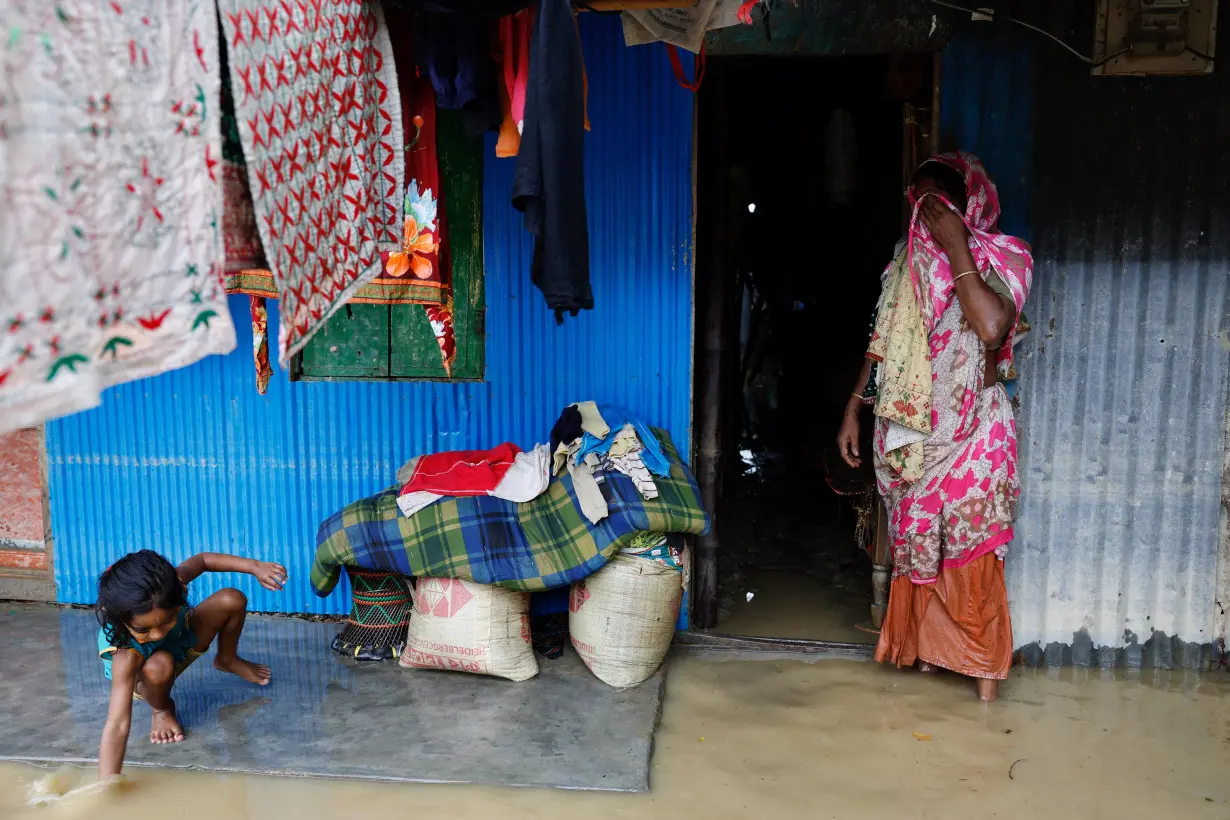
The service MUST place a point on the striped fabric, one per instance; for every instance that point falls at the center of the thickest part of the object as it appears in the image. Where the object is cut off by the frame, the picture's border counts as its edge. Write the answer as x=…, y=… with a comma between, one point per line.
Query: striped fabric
x=543, y=544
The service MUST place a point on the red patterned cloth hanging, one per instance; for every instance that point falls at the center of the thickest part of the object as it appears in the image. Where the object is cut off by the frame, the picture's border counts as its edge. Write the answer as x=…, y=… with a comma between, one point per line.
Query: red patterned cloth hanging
x=321, y=135
x=423, y=257
x=260, y=342
x=241, y=237
x=416, y=270
x=441, y=318
x=416, y=109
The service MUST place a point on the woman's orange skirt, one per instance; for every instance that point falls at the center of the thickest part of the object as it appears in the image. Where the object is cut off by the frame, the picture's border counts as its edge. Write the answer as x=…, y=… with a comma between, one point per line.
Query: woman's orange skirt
x=960, y=622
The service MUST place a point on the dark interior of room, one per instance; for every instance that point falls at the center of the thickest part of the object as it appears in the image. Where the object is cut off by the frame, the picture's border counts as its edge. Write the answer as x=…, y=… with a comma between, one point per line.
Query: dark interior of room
x=811, y=151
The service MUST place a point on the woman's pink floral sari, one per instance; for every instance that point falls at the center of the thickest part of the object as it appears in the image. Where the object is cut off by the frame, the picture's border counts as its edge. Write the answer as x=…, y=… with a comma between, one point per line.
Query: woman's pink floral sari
x=963, y=505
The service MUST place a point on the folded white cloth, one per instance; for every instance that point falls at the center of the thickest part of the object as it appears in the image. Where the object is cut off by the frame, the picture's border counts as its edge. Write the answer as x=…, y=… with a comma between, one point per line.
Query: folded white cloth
x=527, y=478
x=898, y=435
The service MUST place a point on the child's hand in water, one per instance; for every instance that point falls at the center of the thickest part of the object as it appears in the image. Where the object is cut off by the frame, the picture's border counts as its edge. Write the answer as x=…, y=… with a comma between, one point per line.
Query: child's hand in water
x=270, y=575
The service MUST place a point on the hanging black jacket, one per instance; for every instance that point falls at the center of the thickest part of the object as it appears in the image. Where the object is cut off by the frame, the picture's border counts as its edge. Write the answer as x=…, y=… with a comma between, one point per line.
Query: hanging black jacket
x=549, y=184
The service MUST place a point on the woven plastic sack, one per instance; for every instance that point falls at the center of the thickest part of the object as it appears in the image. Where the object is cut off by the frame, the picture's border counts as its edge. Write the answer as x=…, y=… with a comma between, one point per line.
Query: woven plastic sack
x=622, y=618
x=462, y=626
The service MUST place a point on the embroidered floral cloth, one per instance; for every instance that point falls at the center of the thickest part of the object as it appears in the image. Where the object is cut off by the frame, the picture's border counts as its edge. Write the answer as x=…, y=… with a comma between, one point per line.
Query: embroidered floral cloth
x=321, y=130
x=109, y=225
x=903, y=393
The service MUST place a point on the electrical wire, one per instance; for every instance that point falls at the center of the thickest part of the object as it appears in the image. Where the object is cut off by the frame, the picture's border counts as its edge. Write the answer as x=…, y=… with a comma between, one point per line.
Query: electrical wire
x=991, y=14
x=1088, y=60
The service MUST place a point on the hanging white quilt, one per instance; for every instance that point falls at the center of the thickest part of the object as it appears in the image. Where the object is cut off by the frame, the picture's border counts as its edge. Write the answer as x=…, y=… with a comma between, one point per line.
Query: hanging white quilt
x=110, y=200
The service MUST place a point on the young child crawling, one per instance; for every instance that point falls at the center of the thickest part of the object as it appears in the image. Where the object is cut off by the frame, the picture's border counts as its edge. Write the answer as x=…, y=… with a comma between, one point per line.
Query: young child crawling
x=150, y=635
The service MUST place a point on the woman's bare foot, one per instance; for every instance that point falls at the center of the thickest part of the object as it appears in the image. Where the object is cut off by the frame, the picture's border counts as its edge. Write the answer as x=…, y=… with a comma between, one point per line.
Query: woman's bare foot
x=251, y=672
x=988, y=690
x=164, y=728
x=927, y=669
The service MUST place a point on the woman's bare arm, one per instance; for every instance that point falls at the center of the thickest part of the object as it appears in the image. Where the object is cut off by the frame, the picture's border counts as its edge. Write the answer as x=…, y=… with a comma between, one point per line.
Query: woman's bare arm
x=847, y=434
x=990, y=314
x=860, y=386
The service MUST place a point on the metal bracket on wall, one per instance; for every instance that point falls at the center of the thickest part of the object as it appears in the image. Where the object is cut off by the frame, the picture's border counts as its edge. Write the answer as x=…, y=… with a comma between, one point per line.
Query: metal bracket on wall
x=1155, y=37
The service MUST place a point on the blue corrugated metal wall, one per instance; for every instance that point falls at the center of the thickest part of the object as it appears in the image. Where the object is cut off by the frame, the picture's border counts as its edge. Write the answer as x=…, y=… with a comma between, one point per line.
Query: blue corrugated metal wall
x=195, y=460
x=986, y=107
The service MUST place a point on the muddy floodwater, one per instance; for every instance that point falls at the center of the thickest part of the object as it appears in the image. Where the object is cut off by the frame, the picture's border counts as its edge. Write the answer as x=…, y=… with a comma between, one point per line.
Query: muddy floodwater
x=784, y=739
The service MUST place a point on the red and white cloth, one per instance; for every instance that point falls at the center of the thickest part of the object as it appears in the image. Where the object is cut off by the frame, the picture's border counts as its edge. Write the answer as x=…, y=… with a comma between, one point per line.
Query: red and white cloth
x=320, y=121
x=503, y=472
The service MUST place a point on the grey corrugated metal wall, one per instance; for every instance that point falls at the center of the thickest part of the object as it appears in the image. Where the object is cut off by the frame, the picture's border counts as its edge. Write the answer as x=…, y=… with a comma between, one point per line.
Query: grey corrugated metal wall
x=1124, y=380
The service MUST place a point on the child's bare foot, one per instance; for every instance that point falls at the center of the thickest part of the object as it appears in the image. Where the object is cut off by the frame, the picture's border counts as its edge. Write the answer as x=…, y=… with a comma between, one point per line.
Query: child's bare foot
x=164, y=728
x=988, y=690
x=927, y=669
x=251, y=672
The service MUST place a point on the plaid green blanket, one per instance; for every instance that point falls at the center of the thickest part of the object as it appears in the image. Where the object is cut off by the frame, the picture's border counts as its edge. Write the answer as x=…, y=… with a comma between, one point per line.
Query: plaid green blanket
x=544, y=544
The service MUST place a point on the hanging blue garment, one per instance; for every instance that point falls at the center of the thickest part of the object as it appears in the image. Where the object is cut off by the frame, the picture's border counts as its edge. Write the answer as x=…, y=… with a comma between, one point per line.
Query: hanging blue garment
x=617, y=417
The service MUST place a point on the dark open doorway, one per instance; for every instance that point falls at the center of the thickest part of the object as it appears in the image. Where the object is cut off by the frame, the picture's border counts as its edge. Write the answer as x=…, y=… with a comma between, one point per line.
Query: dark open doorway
x=800, y=177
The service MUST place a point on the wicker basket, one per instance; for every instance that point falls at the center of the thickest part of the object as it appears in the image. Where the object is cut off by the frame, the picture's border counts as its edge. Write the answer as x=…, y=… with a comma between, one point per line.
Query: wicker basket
x=379, y=613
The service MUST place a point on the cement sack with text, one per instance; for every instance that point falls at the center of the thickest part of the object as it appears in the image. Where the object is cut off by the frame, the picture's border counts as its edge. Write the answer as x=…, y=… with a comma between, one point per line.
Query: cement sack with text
x=461, y=626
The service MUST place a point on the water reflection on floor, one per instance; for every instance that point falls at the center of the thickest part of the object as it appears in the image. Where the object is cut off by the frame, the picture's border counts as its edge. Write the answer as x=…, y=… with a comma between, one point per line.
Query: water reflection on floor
x=783, y=603
x=788, y=564
x=830, y=739
x=326, y=715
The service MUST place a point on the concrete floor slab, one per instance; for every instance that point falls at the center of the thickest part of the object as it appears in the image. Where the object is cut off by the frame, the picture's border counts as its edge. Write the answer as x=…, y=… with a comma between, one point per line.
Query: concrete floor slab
x=326, y=716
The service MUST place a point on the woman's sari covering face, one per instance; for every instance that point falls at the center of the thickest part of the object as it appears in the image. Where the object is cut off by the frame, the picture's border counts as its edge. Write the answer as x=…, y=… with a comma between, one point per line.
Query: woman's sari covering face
x=952, y=489
x=1008, y=256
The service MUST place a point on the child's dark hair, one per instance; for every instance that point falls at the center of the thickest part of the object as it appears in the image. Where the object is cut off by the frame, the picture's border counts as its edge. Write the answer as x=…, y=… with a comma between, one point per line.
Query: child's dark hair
x=135, y=584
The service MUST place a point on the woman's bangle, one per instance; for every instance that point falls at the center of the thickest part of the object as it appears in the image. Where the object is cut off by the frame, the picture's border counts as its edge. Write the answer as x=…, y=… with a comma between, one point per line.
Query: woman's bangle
x=959, y=275
x=858, y=396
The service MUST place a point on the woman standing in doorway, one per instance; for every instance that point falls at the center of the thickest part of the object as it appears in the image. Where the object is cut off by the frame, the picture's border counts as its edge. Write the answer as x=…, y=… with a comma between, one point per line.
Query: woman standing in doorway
x=945, y=442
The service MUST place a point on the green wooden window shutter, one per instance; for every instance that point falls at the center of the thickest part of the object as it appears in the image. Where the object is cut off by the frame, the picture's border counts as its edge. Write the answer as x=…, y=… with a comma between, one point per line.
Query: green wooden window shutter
x=395, y=342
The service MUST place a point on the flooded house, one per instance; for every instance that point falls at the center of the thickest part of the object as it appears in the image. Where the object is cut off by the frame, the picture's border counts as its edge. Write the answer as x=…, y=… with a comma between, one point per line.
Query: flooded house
x=739, y=220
